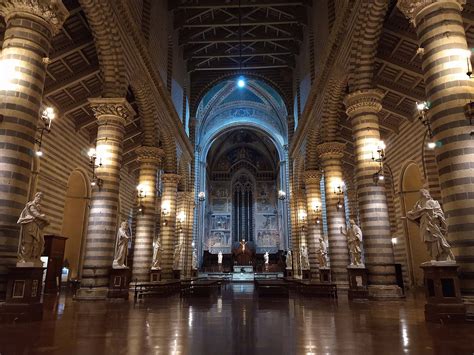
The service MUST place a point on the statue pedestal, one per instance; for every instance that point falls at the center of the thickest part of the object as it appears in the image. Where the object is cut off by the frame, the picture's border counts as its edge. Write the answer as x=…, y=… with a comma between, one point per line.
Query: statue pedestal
x=23, y=298
x=177, y=274
x=118, y=283
x=155, y=275
x=305, y=274
x=357, y=282
x=443, y=294
x=288, y=273
x=324, y=274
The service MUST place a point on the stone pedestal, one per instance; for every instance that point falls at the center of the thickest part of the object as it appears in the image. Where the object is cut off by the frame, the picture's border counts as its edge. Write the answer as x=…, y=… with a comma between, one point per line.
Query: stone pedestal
x=305, y=274
x=443, y=295
x=23, y=298
x=155, y=275
x=325, y=274
x=118, y=283
x=288, y=273
x=176, y=274
x=357, y=282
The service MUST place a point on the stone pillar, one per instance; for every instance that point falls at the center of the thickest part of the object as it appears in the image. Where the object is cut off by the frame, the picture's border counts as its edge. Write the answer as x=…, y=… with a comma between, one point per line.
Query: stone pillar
x=111, y=114
x=188, y=205
x=362, y=108
x=330, y=155
x=29, y=29
x=315, y=232
x=149, y=159
x=440, y=30
x=168, y=222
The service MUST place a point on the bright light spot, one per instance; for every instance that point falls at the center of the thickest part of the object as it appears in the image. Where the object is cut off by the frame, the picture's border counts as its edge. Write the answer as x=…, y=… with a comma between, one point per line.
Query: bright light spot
x=431, y=145
x=381, y=177
x=10, y=74
x=421, y=106
x=181, y=216
x=394, y=240
x=241, y=82
x=91, y=152
x=39, y=153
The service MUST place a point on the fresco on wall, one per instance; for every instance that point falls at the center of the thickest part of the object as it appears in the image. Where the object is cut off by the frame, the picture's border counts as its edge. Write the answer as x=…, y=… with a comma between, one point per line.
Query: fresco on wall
x=220, y=222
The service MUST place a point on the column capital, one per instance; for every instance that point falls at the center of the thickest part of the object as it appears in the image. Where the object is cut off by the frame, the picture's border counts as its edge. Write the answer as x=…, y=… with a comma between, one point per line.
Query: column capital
x=363, y=101
x=52, y=13
x=170, y=178
x=149, y=155
x=105, y=108
x=331, y=150
x=411, y=8
x=312, y=176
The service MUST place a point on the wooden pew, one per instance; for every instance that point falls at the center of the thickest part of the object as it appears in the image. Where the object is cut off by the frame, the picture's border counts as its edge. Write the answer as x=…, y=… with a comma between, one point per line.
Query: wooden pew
x=156, y=288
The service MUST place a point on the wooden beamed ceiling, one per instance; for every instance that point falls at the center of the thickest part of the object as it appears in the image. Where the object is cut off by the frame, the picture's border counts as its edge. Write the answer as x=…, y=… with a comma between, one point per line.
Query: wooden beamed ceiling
x=221, y=35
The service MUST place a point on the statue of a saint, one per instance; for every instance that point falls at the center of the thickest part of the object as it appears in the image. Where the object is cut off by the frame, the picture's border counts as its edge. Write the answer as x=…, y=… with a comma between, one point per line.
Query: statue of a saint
x=427, y=213
x=177, y=257
x=289, y=260
x=194, y=263
x=121, y=247
x=219, y=258
x=304, y=258
x=32, y=222
x=354, y=242
x=322, y=253
x=266, y=257
x=155, y=264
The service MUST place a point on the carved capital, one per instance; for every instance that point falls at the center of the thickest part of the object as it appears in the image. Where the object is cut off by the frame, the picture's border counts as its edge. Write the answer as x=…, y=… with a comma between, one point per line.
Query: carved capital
x=51, y=12
x=170, y=178
x=312, y=176
x=331, y=150
x=363, y=101
x=109, y=108
x=149, y=155
x=411, y=8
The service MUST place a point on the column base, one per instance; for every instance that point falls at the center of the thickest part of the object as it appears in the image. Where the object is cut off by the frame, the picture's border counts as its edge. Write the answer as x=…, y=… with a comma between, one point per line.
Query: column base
x=91, y=294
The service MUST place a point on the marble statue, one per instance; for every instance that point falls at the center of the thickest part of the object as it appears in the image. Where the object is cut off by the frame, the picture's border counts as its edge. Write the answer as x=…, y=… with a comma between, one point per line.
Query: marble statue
x=354, y=242
x=194, y=263
x=322, y=253
x=177, y=257
x=266, y=257
x=121, y=247
x=289, y=260
x=304, y=258
x=427, y=213
x=32, y=222
x=155, y=264
x=219, y=258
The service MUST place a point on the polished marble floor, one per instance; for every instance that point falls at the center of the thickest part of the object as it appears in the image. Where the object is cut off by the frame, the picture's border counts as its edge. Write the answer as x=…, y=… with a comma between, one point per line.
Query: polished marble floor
x=236, y=322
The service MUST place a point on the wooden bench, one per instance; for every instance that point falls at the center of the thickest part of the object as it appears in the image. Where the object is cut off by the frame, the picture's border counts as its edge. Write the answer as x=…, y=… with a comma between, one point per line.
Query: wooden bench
x=312, y=288
x=200, y=288
x=156, y=288
x=272, y=288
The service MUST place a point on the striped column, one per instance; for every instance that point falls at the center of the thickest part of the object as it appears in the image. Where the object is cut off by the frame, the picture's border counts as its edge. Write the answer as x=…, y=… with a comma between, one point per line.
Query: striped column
x=188, y=206
x=440, y=30
x=331, y=154
x=363, y=107
x=111, y=115
x=315, y=232
x=26, y=44
x=149, y=159
x=168, y=228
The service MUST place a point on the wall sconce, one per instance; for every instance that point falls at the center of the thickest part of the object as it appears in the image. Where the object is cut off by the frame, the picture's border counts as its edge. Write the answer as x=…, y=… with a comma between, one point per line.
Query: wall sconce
x=423, y=108
x=202, y=196
x=302, y=217
x=338, y=189
x=469, y=64
x=47, y=116
x=281, y=195
x=141, y=194
x=316, y=212
x=165, y=212
x=180, y=218
x=378, y=155
x=92, y=154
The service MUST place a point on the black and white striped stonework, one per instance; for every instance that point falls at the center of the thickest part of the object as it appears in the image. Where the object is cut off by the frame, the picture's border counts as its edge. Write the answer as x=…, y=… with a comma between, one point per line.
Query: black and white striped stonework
x=26, y=44
x=440, y=30
x=111, y=115
x=315, y=232
x=330, y=155
x=168, y=231
x=149, y=159
x=362, y=108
